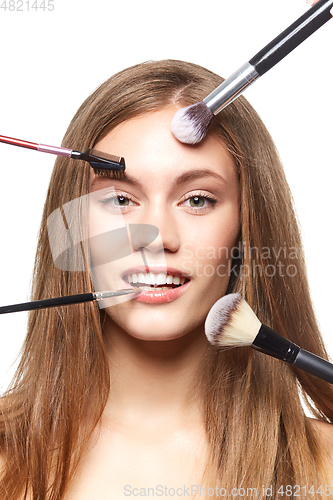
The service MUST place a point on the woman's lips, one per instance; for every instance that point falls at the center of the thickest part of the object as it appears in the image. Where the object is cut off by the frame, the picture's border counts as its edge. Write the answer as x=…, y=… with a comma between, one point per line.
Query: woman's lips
x=157, y=287
x=156, y=296
x=164, y=284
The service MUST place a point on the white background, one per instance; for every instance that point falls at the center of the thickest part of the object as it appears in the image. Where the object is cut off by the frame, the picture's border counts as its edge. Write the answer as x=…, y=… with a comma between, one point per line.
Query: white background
x=52, y=60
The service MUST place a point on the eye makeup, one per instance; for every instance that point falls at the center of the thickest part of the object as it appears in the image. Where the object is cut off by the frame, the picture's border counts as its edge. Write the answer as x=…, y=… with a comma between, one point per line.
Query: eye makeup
x=198, y=202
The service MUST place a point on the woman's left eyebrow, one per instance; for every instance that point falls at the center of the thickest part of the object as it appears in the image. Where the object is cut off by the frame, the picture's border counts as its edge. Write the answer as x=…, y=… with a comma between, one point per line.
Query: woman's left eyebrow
x=198, y=174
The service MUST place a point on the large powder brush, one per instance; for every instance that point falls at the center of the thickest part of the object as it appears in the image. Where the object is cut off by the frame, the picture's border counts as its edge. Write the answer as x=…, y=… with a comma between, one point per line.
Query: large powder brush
x=232, y=323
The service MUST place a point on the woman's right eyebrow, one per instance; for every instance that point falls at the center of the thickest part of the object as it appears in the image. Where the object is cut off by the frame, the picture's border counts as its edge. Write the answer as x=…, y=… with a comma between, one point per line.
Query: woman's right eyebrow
x=100, y=181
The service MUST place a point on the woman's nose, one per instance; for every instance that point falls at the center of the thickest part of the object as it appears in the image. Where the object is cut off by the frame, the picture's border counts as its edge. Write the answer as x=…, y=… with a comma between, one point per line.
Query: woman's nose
x=168, y=238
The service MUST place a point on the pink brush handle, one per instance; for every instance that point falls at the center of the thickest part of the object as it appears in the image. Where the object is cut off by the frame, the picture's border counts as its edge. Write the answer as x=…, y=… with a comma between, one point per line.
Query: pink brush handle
x=55, y=150
x=37, y=147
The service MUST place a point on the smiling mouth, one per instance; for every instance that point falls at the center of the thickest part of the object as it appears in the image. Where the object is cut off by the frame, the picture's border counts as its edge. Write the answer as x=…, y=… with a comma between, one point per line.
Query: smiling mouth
x=158, y=282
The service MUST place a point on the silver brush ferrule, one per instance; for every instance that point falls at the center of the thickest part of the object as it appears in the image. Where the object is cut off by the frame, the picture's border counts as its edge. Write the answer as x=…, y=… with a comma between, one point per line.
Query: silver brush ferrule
x=231, y=88
x=116, y=293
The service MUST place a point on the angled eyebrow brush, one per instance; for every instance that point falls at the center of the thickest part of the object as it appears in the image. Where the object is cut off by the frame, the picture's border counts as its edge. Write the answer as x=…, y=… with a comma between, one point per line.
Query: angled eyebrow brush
x=103, y=163
x=190, y=124
x=67, y=300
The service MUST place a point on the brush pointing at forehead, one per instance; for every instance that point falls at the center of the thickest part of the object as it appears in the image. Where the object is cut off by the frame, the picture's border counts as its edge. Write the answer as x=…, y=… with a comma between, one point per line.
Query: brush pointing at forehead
x=190, y=124
x=232, y=323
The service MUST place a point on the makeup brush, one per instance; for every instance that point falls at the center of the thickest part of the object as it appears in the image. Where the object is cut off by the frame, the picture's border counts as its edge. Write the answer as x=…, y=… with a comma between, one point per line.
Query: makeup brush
x=67, y=300
x=103, y=164
x=190, y=124
x=232, y=323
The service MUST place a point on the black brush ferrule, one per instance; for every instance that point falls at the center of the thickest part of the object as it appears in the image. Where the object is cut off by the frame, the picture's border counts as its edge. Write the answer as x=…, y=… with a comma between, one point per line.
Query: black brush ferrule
x=76, y=155
x=96, y=162
x=273, y=344
x=107, y=165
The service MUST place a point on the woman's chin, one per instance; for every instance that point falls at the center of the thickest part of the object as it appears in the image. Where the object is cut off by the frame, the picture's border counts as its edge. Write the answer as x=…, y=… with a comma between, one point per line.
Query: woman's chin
x=154, y=336
x=149, y=328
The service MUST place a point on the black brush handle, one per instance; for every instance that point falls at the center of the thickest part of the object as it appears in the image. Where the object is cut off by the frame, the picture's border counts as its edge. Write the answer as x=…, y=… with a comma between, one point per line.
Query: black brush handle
x=314, y=365
x=41, y=304
x=272, y=343
x=293, y=36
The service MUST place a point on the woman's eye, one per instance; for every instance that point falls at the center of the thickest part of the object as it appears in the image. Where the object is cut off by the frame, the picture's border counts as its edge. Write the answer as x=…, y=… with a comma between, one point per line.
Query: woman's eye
x=199, y=202
x=121, y=201
x=117, y=201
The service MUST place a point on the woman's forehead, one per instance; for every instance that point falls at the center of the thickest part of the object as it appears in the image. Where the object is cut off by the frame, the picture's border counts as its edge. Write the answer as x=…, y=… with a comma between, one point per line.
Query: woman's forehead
x=151, y=151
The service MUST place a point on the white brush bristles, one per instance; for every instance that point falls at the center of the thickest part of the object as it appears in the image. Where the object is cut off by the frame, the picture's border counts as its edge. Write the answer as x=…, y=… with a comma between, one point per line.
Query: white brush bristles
x=190, y=124
x=231, y=322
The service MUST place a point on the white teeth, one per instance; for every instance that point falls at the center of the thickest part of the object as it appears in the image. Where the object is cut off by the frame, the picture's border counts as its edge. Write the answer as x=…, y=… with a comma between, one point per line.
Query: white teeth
x=160, y=279
x=155, y=279
x=149, y=288
x=141, y=278
x=150, y=279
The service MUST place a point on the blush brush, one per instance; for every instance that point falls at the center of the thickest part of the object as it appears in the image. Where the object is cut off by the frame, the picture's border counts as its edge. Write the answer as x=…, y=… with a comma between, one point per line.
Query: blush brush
x=232, y=323
x=190, y=124
x=103, y=164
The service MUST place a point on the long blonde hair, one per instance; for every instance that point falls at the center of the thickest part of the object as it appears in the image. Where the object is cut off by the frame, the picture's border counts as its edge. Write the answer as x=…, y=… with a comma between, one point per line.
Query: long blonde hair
x=258, y=434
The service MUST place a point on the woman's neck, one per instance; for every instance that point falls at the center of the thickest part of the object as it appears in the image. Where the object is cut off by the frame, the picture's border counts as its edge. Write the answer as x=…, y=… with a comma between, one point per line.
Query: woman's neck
x=154, y=379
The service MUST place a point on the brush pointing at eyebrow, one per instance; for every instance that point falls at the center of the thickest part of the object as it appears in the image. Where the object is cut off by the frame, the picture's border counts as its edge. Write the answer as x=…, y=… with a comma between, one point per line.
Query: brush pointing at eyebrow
x=102, y=163
x=190, y=124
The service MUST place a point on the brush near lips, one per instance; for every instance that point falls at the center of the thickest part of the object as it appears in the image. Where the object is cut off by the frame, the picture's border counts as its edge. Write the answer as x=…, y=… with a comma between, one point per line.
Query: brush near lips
x=190, y=124
x=103, y=163
x=67, y=300
x=232, y=323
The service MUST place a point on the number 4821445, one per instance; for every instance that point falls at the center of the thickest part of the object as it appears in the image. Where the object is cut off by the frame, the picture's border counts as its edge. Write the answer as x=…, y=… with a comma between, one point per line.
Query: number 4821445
x=26, y=5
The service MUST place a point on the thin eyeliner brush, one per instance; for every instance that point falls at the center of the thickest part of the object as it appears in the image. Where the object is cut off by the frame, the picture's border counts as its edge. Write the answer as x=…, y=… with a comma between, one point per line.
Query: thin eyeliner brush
x=102, y=163
x=69, y=299
x=190, y=124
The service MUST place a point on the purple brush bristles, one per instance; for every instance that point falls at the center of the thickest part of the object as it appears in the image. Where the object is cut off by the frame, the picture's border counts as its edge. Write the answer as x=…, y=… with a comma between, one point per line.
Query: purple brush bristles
x=190, y=124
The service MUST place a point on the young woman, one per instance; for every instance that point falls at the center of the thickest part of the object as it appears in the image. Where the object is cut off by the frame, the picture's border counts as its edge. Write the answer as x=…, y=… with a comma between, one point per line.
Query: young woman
x=131, y=400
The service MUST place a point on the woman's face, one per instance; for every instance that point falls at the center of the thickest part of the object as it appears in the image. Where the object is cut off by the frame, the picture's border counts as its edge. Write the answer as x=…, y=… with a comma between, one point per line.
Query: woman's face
x=191, y=194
